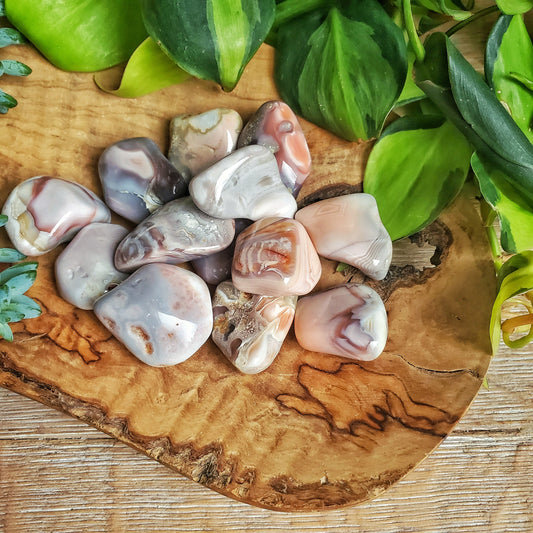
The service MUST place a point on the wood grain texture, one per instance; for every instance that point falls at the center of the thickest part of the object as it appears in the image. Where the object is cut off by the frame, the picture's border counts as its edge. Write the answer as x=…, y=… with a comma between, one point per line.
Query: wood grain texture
x=302, y=398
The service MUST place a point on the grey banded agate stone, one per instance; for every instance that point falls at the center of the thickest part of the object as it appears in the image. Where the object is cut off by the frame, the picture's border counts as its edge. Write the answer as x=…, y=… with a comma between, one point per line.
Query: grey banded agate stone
x=175, y=233
x=85, y=269
x=198, y=141
x=248, y=328
x=245, y=184
x=137, y=178
x=349, y=320
x=216, y=268
x=161, y=313
x=349, y=229
x=44, y=212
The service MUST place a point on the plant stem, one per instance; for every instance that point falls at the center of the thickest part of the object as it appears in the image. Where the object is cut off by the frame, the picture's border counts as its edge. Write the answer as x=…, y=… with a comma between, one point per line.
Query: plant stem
x=410, y=28
x=475, y=16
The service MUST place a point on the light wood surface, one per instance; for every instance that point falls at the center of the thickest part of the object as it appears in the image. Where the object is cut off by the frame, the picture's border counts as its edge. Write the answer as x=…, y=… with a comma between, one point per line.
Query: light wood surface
x=57, y=474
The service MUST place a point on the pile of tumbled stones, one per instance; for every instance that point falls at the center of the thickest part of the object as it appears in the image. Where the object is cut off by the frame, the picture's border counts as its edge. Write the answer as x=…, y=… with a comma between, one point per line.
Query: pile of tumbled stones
x=224, y=202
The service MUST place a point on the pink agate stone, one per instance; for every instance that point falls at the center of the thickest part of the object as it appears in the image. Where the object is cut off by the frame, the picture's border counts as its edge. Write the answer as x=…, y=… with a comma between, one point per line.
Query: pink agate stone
x=275, y=257
x=349, y=229
x=161, y=313
x=348, y=320
x=248, y=328
x=275, y=126
x=44, y=211
x=198, y=141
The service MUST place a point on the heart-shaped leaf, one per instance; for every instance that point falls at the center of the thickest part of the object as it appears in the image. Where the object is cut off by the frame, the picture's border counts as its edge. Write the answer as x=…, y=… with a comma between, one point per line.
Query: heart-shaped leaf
x=508, y=63
x=210, y=39
x=412, y=178
x=342, y=68
x=80, y=35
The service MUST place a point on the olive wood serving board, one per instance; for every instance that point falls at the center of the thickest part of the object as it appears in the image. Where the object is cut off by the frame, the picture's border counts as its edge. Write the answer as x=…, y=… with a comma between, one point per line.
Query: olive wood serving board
x=314, y=430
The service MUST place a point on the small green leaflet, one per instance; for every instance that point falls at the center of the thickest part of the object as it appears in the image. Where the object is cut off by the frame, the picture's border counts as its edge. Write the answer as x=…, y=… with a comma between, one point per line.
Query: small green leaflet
x=514, y=7
x=80, y=35
x=210, y=39
x=514, y=278
x=447, y=7
x=149, y=69
x=9, y=36
x=516, y=221
x=508, y=68
x=342, y=68
x=14, y=68
x=412, y=178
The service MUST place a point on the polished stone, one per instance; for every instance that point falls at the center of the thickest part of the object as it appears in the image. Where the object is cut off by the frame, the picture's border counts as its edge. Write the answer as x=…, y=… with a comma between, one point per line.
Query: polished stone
x=245, y=184
x=161, y=313
x=348, y=320
x=85, y=269
x=349, y=229
x=175, y=233
x=137, y=178
x=275, y=257
x=44, y=212
x=275, y=126
x=248, y=328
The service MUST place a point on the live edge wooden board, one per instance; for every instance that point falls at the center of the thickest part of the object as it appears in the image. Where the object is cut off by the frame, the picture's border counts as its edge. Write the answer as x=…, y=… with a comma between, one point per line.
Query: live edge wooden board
x=313, y=431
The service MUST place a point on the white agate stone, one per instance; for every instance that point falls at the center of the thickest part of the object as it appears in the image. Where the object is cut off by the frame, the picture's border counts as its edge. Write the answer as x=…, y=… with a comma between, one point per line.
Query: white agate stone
x=44, y=211
x=85, y=269
x=275, y=257
x=349, y=229
x=198, y=141
x=348, y=320
x=248, y=328
x=245, y=184
x=161, y=313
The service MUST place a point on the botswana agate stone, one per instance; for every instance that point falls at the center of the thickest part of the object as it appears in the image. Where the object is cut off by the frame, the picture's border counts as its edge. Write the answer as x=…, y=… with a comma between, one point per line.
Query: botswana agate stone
x=44, y=211
x=349, y=229
x=348, y=320
x=245, y=184
x=216, y=268
x=161, y=313
x=275, y=126
x=248, y=328
x=275, y=257
x=175, y=233
x=198, y=141
x=137, y=178
x=85, y=269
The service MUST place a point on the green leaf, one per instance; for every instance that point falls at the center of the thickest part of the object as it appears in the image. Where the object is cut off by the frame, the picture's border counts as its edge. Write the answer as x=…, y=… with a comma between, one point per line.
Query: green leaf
x=343, y=68
x=6, y=102
x=80, y=35
x=3, y=220
x=10, y=315
x=516, y=220
x=412, y=178
x=514, y=7
x=210, y=39
x=508, y=64
x=15, y=270
x=9, y=36
x=149, y=69
x=515, y=277
x=456, y=10
x=25, y=305
x=2, y=8
x=10, y=255
x=5, y=332
x=21, y=283
x=14, y=68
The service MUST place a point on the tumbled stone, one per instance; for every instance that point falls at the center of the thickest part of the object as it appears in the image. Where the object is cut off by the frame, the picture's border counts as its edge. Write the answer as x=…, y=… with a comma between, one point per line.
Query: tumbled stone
x=137, y=178
x=349, y=229
x=275, y=126
x=248, y=328
x=198, y=141
x=161, y=313
x=275, y=257
x=175, y=233
x=215, y=268
x=85, y=269
x=45, y=211
x=348, y=320
x=245, y=184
